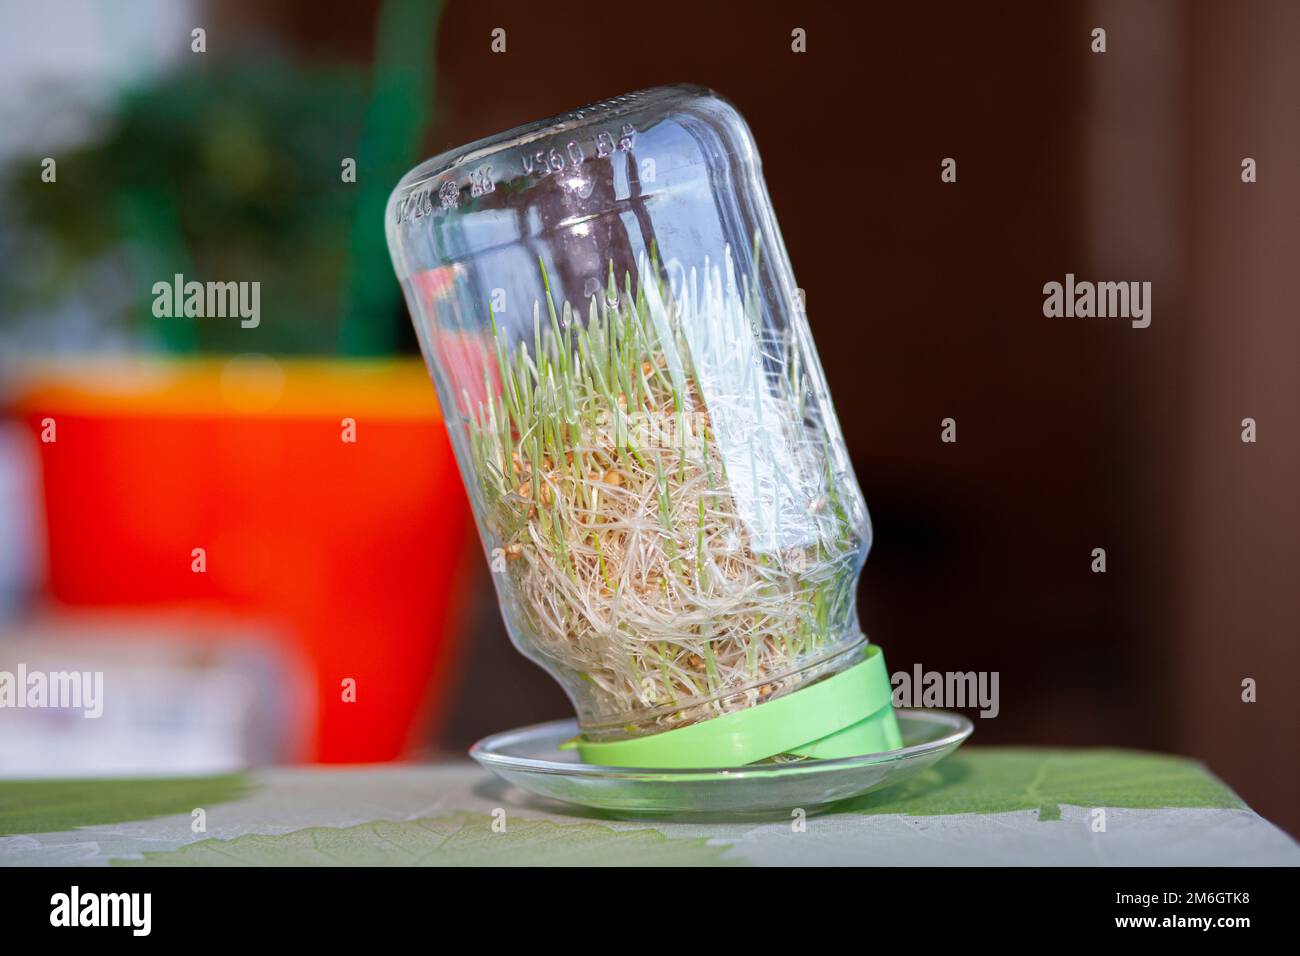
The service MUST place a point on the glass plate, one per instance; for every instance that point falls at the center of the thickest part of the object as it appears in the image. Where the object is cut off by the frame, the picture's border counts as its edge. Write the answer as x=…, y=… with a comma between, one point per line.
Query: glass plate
x=530, y=758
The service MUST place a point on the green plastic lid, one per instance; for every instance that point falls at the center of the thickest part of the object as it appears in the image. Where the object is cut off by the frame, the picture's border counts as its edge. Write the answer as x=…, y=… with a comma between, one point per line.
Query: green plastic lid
x=845, y=715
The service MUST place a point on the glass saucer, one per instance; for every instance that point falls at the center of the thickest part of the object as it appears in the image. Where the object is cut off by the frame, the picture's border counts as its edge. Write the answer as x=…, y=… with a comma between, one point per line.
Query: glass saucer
x=530, y=758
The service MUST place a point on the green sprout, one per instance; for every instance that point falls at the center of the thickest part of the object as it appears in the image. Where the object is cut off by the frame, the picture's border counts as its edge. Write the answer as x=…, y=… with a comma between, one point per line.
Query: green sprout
x=670, y=586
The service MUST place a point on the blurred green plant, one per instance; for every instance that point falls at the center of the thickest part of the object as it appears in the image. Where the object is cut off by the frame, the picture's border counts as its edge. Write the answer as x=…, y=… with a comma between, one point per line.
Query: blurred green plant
x=232, y=171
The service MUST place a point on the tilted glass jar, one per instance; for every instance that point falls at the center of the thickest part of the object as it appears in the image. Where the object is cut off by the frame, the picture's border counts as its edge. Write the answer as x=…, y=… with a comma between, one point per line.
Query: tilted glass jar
x=608, y=312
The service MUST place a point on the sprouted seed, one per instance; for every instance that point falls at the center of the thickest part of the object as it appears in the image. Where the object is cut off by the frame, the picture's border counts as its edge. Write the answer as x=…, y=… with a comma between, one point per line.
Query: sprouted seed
x=678, y=531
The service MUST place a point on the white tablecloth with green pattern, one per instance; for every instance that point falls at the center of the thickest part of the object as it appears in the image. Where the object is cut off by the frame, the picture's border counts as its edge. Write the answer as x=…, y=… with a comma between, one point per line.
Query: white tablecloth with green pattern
x=981, y=806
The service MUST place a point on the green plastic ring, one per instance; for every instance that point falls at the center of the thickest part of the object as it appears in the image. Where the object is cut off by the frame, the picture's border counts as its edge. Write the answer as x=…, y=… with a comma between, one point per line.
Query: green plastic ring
x=845, y=715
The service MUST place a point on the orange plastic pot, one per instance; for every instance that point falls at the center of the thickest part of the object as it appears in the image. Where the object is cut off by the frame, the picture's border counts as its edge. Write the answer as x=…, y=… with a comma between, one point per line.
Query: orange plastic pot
x=324, y=497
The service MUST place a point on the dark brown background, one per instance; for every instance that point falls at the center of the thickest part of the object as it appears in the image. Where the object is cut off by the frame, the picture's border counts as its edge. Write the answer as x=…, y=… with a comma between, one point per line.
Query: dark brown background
x=926, y=302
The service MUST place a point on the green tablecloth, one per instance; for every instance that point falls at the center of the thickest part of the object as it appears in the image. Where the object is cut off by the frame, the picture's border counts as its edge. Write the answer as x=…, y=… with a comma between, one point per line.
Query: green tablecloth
x=980, y=806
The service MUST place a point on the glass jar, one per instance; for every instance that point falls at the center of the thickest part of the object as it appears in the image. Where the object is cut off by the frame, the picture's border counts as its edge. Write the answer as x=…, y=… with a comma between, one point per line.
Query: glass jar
x=609, y=314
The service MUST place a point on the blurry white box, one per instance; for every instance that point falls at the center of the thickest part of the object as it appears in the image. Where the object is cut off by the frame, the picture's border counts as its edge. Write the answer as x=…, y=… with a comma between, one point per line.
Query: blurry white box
x=179, y=696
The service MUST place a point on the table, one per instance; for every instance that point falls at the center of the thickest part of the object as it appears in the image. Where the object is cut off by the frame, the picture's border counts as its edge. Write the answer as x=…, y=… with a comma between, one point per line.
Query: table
x=982, y=806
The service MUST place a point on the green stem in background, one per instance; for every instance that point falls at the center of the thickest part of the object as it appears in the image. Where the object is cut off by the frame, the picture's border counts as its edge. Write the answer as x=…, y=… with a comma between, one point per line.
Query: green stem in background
x=159, y=254
x=403, y=88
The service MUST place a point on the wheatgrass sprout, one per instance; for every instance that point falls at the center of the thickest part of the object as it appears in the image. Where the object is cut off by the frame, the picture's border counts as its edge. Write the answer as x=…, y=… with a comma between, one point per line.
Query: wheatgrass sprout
x=668, y=499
